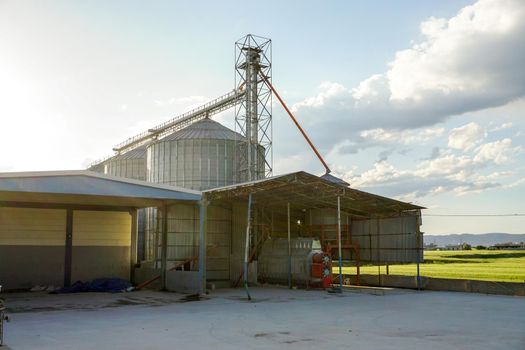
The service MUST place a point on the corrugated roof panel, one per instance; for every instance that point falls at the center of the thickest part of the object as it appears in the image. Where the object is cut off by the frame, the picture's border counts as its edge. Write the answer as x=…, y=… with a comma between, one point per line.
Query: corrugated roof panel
x=135, y=153
x=93, y=184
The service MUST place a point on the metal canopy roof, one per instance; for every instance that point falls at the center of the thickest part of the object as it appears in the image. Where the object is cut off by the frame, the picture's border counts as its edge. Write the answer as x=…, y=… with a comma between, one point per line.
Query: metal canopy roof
x=306, y=191
x=88, y=188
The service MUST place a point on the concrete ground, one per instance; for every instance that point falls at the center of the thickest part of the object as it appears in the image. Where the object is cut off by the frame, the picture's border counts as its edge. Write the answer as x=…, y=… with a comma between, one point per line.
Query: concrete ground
x=277, y=318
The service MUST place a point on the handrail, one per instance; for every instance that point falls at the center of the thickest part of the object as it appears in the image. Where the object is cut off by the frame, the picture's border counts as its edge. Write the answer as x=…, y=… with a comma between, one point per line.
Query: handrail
x=209, y=108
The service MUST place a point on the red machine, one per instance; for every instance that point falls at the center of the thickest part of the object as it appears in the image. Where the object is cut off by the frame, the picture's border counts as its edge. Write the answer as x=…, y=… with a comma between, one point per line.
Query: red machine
x=321, y=270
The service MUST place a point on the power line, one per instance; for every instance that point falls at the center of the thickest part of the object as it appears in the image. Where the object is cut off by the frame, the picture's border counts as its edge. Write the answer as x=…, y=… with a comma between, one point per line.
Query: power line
x=477, y=215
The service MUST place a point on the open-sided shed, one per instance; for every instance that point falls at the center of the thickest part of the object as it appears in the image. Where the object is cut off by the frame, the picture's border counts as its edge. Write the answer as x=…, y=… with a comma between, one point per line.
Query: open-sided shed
x=373, y=228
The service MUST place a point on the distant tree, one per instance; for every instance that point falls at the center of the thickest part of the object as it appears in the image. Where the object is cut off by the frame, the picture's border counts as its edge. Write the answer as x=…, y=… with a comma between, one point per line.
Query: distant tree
x=480, y=247
x=466, y=246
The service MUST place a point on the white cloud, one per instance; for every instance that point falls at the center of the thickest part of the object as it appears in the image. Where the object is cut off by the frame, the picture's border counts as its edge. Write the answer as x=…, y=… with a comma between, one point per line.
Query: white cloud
x=469, y=62
x=466, y=137
x=390, y=139
x=438, y=64
x=448, y=172
x=496, y=151
x=405, y=137
x=503, y=126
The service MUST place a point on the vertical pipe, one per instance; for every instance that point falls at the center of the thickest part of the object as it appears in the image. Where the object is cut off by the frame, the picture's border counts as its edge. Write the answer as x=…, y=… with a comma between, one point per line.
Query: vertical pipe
x=247, y=246
x=379, y=250
x=418, y=277
x=202, y=245
x=164, y=246
x=289, y=248
x=358, y=262
x=339, y=244
x=134, y=244
x=419, y=247
x=252, y=68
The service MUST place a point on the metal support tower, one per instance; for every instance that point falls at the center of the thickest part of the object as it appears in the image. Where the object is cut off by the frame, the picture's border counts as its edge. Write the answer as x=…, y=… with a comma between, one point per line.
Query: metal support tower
x=253, y=115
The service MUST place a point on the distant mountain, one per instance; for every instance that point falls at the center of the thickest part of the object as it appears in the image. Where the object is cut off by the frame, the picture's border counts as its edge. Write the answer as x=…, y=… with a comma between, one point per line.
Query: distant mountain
x=485, y=239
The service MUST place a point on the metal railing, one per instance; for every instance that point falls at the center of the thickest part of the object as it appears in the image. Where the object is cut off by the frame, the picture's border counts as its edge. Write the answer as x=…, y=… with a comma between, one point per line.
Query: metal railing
x=206, y=110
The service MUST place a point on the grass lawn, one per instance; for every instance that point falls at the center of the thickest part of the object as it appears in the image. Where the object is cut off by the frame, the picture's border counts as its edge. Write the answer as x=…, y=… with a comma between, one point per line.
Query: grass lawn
x=486, y=265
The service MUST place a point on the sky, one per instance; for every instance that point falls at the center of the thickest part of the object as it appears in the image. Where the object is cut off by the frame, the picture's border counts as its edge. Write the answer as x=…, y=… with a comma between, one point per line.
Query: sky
x=423, y=101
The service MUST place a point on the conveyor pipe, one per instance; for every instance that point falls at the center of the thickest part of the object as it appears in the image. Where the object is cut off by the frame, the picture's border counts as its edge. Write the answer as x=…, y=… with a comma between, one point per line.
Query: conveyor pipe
x=296, y=123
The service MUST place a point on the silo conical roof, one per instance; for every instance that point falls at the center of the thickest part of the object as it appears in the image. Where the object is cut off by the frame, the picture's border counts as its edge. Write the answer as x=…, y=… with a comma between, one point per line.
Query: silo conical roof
x=204, y=129
x=135, y=153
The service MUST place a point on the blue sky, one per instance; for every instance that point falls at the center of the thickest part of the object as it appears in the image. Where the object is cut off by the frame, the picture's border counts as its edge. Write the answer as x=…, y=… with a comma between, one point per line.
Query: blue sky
x=418, y=100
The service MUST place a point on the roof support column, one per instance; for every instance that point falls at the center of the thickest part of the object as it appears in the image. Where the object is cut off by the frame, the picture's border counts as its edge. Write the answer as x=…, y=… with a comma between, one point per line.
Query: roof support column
x=339, y=244
x=68, y=256
x=247, y=245
x=203, y=219
x=134, y=246
x=289, y=248
x=164, y=246
x=419, y=251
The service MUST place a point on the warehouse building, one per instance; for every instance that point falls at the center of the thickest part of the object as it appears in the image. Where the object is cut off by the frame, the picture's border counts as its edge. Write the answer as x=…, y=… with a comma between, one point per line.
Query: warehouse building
x=64, y=226
x=58, y=227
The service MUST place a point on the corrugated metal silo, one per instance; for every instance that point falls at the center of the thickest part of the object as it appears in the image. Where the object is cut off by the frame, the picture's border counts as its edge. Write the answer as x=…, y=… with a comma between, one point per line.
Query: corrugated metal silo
x=198, y=157
x=131, y=164
x=201, y=156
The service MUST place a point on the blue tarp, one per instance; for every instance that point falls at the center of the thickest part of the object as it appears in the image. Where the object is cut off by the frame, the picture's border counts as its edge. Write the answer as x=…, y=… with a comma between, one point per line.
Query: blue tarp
x=110, y=285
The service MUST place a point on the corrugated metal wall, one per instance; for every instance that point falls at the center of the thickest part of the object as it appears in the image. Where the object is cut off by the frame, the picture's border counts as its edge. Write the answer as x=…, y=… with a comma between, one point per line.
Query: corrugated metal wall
x=238, y=234
x=389, y=240
x=131, y=165
x=395, y=239
x=37, y=227
x=101, y=228
x=218, y=245
x=132, y=168
x=101, y=245
x=183, y=238
x=32, y=246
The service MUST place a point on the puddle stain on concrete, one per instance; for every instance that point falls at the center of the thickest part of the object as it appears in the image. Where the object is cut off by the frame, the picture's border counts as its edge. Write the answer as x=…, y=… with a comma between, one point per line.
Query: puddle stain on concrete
x=297, y=341
x=277, y=336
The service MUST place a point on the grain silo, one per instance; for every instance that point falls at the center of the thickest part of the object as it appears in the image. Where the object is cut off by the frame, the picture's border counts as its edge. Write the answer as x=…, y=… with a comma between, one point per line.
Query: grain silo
x=131, y=164
x=198, y=157
x=201, y=156
x=194, y=152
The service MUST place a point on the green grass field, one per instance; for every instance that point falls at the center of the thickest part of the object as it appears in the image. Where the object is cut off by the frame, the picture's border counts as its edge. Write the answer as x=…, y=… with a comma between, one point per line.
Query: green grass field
x=486, y=265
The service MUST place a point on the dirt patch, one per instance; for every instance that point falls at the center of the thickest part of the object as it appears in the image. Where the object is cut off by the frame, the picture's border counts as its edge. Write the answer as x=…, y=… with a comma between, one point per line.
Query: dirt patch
x=17, y=310
x=43, y=303
x=191, y=297
x=297, y=341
